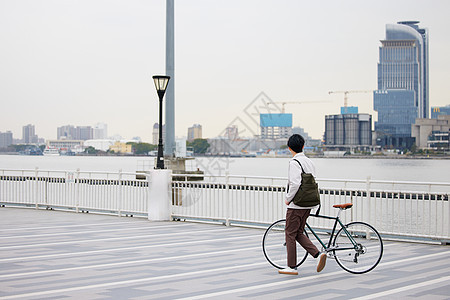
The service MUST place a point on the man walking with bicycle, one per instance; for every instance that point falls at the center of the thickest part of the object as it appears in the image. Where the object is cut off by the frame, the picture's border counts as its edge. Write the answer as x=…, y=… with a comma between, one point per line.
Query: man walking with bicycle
x=296, y=216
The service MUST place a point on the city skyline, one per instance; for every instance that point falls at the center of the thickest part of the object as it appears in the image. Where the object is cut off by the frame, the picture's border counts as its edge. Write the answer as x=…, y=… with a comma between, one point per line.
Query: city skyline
x=80, y=62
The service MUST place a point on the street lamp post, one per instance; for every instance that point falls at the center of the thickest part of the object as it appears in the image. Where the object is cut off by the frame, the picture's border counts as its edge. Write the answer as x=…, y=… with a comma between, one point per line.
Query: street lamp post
x=161, y=82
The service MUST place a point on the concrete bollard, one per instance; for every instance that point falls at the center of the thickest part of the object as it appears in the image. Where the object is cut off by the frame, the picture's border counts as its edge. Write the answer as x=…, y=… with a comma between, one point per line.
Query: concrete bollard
x=159, y=194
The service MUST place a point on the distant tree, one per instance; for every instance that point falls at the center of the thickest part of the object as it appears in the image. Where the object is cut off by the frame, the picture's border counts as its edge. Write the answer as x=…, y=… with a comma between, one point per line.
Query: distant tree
x=142, y=148
x=19, y=147
x=200, y=145
x=90, y=150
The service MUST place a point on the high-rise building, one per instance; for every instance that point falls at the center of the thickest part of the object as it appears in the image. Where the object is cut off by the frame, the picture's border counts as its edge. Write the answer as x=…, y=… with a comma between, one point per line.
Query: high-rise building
x=275, y=126
x=6, y=139
x=67, y=132
x=155, y=134
x=194, y=132
x=232, y=132
x=28, y=134
x=348, y=130
x=100, y=131
x=84, y=133
x=402, y=94
x=440, y=111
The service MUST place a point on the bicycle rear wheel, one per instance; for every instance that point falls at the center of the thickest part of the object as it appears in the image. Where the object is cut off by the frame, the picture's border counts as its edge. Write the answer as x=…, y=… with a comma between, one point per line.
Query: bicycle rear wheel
x=274, y=246
x=363, y=253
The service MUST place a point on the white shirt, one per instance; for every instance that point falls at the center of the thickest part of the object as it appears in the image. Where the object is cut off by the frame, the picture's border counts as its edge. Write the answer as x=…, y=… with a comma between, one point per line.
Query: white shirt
x=295, y=177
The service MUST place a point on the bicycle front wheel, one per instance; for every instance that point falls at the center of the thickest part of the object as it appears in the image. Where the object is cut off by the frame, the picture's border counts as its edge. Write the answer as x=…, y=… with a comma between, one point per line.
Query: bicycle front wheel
x=274, y=246
x=359, y=248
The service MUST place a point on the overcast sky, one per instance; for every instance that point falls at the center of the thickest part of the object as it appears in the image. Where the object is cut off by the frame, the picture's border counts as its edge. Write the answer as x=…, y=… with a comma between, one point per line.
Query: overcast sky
x=80, y=62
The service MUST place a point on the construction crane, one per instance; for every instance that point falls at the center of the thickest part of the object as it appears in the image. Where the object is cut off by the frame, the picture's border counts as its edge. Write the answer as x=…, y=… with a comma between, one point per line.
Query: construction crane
x=346, y=95
x=283, y=103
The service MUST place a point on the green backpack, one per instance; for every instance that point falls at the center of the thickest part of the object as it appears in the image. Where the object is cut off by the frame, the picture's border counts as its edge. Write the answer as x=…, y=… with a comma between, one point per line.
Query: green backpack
x=308, y=192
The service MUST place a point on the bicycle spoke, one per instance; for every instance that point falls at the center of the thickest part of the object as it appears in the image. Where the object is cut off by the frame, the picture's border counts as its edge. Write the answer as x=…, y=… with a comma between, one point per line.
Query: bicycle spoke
x=361, y=251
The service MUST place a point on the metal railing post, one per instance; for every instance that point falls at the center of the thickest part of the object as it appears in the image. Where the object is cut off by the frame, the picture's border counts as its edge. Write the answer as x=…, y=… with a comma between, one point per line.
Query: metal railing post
x=36, y=200
x=77, y=192
x=227, y=199
x=369, y=200
x=448, y=215
x=119, y=211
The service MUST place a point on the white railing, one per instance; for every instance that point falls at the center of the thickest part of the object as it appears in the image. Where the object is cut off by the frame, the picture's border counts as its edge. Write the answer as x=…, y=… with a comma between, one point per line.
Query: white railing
x=111, y=192
x=410, y=209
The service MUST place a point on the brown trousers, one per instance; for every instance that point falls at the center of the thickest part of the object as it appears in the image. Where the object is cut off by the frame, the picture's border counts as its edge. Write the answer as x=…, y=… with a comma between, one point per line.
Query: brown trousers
x=295, y=225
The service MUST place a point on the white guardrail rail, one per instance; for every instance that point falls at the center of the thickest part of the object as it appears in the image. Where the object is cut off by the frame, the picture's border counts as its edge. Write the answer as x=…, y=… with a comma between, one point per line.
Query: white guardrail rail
x=418, y=210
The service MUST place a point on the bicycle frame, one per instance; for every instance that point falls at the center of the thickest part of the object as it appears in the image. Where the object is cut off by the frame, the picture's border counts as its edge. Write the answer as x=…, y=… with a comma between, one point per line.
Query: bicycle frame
x=336, y=221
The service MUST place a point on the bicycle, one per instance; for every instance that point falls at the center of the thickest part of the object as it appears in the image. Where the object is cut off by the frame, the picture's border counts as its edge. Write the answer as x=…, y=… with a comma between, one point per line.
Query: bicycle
x=357, y=247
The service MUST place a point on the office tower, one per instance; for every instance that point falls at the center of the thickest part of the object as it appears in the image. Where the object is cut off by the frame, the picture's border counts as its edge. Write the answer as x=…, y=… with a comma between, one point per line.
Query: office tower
x=100, y=131
x=67, y=132
x=232, y=132
x=6, y=139
x=402, y=94
x=84, y=133
x=28, y=134
x=194, y=132
x=348, y=130
x=440, y=111
x=155, y=134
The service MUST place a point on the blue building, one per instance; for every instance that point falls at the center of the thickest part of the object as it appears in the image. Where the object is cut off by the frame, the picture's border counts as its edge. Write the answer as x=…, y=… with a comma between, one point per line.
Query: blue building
x=349, y=110
x=402, y=94
x=396, y=113
x=275, y=126
x=439, y=111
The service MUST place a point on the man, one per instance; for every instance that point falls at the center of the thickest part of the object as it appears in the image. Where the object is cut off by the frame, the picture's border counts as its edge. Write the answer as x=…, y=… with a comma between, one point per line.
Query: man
x=295, y=215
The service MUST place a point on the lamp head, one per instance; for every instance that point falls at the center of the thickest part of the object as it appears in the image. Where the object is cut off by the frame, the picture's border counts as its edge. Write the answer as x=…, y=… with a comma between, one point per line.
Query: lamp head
x=161, y=82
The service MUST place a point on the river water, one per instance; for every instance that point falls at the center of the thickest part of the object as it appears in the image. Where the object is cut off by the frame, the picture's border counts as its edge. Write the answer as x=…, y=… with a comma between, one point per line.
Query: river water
x=422, y=170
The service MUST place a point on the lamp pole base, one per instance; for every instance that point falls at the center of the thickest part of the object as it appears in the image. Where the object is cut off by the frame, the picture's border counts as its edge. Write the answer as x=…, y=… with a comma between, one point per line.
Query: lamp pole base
x=159, y=195
x=160, y=159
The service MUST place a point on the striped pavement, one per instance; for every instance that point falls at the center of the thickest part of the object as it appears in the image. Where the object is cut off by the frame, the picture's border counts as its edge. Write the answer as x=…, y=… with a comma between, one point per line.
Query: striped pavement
x=63, y=255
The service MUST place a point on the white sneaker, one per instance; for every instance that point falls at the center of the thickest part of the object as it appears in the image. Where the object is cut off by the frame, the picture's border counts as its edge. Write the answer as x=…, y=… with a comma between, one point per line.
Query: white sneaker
x=288, y=271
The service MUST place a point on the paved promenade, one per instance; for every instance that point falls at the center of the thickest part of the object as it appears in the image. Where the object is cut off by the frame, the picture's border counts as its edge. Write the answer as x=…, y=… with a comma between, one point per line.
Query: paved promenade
x=60, y=255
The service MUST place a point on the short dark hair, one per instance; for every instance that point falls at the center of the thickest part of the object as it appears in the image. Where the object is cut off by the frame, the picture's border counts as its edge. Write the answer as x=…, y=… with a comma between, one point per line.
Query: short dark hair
x=296, y=143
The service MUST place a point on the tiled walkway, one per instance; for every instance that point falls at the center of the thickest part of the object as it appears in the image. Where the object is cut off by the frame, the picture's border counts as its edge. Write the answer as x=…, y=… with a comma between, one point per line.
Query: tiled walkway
x=61, y=255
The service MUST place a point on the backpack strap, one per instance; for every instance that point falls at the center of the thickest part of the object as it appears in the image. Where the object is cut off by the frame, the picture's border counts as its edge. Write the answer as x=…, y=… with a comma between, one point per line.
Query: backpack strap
x=318, y=210
x=303, y=171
